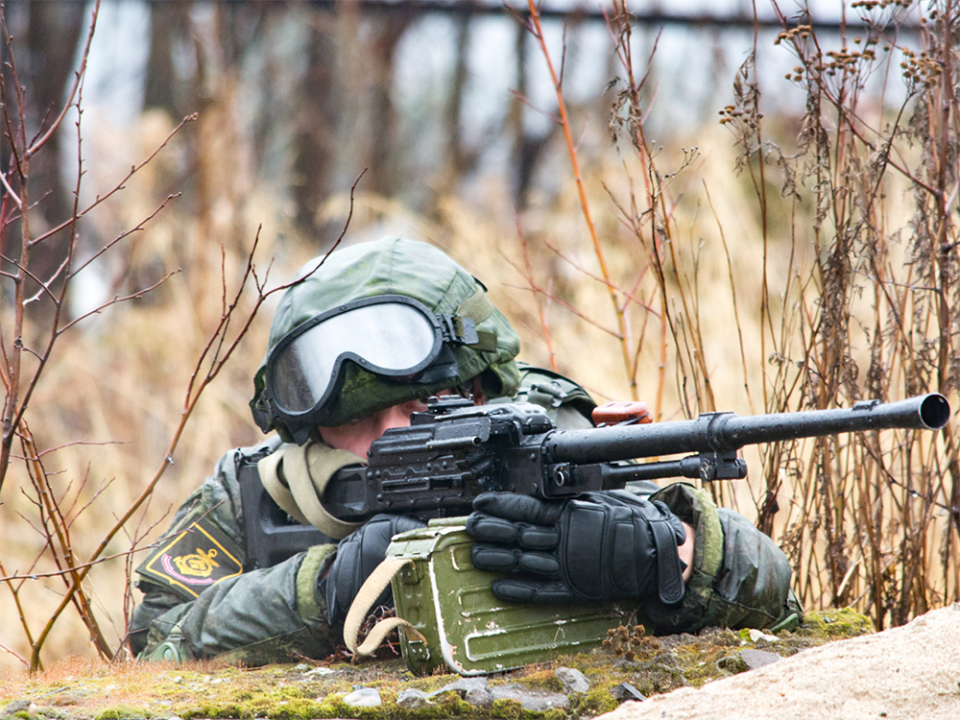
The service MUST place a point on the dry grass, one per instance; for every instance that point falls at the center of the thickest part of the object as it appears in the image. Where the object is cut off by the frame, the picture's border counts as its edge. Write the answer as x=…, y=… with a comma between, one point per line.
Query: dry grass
x=808, y=278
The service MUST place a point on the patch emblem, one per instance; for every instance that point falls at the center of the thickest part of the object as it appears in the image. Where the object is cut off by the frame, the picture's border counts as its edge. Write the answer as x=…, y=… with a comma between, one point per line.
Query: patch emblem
x=193, y=560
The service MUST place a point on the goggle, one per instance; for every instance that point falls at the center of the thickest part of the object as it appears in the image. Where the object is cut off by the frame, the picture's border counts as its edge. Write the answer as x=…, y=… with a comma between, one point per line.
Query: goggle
x=392, y=336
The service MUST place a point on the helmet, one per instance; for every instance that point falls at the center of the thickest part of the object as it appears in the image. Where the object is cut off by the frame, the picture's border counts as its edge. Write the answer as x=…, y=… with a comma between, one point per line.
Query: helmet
x=374, y=325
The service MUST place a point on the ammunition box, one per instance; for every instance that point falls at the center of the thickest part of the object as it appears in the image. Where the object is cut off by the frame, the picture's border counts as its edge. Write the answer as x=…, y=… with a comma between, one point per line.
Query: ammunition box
x=470, y=631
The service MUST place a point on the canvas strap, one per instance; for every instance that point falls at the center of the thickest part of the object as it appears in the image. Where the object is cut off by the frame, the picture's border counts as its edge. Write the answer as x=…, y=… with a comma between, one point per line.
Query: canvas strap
x=361, y=605
x=306, y=469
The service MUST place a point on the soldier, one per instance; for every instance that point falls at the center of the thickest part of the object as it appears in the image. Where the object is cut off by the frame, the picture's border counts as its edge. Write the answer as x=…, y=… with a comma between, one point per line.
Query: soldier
x=355, y=347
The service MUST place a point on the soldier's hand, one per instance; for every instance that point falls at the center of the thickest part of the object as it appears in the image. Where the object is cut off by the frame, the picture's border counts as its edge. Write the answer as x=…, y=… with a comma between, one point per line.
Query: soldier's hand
x=599, y=546
x=358, y=555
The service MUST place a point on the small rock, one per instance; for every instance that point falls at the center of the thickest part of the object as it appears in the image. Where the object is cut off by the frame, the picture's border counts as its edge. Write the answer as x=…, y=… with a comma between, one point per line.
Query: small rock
x=573, y=680
x=301, y=667
x=463, y=686
x=15, y=707
x=626, y=692
x=756, y=635
x=533, y=700
x=320, y=671
x=755, y=659
x=364, y=697
x=412, y=699
x=478, y=697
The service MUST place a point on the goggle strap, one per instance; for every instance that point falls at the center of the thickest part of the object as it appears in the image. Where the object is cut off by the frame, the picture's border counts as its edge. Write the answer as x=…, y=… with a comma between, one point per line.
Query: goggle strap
x=463, y=331
x=457, y=329
x=478, y=308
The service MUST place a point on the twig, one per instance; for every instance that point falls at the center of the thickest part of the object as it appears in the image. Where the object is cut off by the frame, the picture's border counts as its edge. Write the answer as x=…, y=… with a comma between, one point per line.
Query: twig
x=537, y=31
x=528, y=276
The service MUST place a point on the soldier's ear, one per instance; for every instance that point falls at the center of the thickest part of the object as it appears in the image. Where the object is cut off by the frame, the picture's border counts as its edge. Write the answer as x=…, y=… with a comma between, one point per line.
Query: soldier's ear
x=478, y=397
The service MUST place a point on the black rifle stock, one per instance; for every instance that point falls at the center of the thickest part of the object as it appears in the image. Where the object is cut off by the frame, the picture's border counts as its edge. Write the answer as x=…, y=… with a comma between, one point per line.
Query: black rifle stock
x=454, y=451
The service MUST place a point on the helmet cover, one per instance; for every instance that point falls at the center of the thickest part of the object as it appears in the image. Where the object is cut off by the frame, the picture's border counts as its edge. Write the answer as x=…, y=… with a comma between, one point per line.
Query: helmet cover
x=391, y=266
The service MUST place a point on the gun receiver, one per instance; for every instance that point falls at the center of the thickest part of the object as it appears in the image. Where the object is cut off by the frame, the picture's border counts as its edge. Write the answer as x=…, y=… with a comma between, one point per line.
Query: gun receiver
x=454, y=451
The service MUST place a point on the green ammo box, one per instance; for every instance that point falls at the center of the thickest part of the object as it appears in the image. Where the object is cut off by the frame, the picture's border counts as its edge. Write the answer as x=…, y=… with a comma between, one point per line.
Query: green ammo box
x=467, y=629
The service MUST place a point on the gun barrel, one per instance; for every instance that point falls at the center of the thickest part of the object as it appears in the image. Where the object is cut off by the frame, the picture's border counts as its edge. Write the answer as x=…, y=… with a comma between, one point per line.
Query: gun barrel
x=723, y=432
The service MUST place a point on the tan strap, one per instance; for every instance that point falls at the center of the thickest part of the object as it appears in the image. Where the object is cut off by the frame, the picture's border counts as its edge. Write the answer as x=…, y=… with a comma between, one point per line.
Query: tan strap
x=307, y=470
x=269, y=470
x=361, y=605
x=307, y=487
x=477, y=307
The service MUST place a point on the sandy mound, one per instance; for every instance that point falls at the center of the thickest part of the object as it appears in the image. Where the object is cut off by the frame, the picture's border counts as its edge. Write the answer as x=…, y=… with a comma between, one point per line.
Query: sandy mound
x=904, y=673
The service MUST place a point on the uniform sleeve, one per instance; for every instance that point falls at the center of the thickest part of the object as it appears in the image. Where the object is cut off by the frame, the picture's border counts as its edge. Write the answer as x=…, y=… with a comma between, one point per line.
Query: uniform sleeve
x=198, y=602
x=741, y=579
x=267, y=615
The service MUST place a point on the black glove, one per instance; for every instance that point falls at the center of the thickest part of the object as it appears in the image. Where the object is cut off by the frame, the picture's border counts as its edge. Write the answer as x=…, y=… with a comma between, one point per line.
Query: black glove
x=599, y=546
x=357, y=556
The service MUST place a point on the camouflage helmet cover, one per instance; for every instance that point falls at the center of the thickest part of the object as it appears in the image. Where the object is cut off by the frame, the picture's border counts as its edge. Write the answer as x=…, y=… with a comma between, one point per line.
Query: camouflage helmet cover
x=392, y=266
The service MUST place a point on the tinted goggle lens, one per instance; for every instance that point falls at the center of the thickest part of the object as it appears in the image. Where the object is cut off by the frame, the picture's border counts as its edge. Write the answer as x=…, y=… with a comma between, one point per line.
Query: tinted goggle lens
x=394, y=339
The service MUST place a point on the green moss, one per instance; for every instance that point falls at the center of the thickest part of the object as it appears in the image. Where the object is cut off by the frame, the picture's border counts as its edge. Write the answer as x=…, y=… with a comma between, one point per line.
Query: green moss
x=833, y=624
x=506, y=709
x=431, y=683
x=212, y=711
x=596, y=701
x=298, y=709
x=122, y=712
x=364, y=713
x=449, y=705
x=326, y=710
x=287, y=692
x=555, y=714
x=541, y=679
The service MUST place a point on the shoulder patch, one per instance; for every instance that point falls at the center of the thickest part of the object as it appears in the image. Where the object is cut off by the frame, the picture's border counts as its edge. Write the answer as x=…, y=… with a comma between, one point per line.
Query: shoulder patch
x=193, y=560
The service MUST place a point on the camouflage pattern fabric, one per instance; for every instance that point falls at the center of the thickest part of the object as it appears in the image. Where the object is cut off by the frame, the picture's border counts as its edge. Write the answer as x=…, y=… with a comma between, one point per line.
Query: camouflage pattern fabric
x=740, y=578
x=393, y=266
x=265, y=615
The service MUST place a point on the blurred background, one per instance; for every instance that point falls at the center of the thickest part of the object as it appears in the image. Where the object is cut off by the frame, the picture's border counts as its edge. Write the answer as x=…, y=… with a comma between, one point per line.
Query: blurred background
x=437, y=119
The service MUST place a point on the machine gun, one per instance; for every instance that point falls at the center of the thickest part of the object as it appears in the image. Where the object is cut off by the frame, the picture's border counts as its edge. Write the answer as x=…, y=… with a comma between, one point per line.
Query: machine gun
x=455, y=450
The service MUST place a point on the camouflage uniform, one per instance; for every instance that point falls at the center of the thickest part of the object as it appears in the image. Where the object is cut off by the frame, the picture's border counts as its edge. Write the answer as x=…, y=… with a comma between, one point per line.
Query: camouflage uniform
x=198, y=602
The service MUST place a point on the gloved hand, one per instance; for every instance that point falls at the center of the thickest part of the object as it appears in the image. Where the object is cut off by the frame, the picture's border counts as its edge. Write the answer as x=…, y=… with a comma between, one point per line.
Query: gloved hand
x=357, y=556
x=599, y=546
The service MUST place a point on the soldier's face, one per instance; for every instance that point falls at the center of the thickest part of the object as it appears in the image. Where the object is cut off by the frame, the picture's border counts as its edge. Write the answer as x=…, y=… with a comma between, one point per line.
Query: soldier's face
x=357, y=436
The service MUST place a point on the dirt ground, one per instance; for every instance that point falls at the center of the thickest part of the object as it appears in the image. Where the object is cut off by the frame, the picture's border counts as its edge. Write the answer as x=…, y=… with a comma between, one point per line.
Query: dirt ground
x=906, y=673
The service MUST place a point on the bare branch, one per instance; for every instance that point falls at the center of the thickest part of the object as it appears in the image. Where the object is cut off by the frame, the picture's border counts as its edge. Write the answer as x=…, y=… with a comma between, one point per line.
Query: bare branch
x=78, y=79
x=100, y=199
x=17, y=655
x=581, y=191
x=115, y=300
x=10, y=192
x=195, y=387
x=72, y=568
x=44, y=286
x=125, y=234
